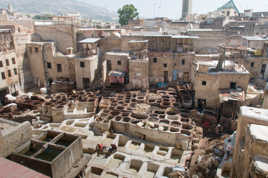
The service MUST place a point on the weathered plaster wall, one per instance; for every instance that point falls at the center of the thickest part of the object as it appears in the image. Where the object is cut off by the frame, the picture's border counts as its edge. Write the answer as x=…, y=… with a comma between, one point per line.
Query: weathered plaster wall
x=14, y=137
x=91, y=64
x=63, y=35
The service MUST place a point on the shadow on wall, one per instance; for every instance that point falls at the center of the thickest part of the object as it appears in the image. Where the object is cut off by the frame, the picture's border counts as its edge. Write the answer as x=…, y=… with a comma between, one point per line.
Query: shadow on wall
x=26, y=78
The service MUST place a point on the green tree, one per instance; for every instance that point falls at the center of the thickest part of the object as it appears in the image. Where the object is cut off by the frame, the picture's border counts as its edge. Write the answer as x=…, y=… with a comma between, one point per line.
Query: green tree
x=43, y=17
x=126, y=13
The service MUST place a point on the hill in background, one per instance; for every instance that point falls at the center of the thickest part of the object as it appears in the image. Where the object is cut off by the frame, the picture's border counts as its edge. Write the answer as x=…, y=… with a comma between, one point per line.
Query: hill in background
x=60, y=7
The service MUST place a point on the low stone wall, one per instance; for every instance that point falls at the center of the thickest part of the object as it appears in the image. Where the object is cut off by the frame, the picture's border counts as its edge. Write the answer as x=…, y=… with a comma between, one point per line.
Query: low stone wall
x=165, y=133
x=14, y=137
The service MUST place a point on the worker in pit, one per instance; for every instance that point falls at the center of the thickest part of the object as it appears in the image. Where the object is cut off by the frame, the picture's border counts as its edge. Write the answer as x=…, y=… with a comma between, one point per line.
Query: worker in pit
x=219, y=130
x=229, y=148
x=206, y=126
x=99, y=148
x=112, y=149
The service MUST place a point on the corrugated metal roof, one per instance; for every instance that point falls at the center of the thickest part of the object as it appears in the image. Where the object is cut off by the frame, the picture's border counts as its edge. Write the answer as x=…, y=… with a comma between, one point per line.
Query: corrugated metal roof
x=11, y=169
x=90, y=40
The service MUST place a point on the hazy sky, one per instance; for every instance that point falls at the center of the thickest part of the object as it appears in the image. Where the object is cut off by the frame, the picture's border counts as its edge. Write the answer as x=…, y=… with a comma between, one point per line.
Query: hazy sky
x=172, y=8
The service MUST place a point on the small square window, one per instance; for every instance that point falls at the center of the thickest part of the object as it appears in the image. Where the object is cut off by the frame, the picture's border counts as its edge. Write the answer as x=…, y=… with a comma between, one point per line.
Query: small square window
x=155, y=60
x=49, y=66
x=119, y=63
x=9, y=73
x=13, y=61
x=165, y=65
x=7, y=62
x=1, y=64
x=15, y=71
x=252, y=64
x=233, y=85
x=82, y=64
x=204, y=83
x=183, y=62
x=36, y=49
x=3, y=75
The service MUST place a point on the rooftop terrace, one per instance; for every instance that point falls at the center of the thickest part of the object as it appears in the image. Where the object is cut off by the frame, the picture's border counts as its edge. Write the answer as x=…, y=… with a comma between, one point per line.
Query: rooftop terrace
x=227, y=67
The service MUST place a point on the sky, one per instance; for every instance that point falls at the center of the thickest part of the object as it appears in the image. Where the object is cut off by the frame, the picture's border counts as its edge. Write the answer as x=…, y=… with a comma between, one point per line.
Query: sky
x=172, y=8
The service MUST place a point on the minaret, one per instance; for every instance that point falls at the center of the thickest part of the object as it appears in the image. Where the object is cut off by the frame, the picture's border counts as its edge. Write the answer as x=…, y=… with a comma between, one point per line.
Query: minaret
x=186, y=8
x=10, y=8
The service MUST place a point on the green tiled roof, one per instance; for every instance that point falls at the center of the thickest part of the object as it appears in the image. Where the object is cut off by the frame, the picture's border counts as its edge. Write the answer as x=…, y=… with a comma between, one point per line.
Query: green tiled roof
x=229, y=5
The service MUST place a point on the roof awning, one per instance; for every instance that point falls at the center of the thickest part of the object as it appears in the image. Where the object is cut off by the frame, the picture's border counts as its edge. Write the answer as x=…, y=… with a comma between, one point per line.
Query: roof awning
x=116, y=73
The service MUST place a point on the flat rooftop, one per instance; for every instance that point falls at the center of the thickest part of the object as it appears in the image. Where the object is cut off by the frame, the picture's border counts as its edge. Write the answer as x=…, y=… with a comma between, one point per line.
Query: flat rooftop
x=4, y=30
x=254, y=38
x=185, y=37
x=203, y=30
x=259, y=132
x=254, y=113
x=159, y=34
x=5, y=125
x=148, y=34
x=227, y=66
x=232, y=95
x=138, y=41
x=207, y=55
x=39, y=42
x=115, y=53
x=90, y=40
x=97, y=29
x=261, y=165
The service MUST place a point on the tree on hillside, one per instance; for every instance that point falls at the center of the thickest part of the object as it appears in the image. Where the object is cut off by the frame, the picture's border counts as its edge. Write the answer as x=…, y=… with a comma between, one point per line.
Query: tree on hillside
x=43, y=17
x=126, y=13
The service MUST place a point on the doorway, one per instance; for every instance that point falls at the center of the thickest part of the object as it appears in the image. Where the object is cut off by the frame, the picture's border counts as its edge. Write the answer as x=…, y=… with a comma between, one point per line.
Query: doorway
x=86, y=83
x=109, y=66
x=201, y=104
x=3, y=93
x=263, y=69
x=233, y=85
x=166, y=76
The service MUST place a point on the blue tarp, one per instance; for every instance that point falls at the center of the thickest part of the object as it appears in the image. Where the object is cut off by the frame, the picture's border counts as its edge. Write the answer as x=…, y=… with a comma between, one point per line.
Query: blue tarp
x=175, y=75
x=161, y=84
